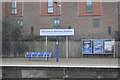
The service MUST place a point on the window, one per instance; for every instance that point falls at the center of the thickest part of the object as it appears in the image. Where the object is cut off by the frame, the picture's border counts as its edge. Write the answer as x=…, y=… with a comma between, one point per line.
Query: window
x=89, y=6
x=32, y=30
x=96, y=22
x=50, y=8
x=56, y=22
x=20, y=22
x=14, y=7
x=109, y=30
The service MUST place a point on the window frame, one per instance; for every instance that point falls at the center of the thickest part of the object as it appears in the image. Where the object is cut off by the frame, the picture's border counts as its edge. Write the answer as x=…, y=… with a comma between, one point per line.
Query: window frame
x=96, y=22
x=32, y=30
x=57, y=20
x=50, y=6
x=109, y=30
x=14, y=7
x=89, y=7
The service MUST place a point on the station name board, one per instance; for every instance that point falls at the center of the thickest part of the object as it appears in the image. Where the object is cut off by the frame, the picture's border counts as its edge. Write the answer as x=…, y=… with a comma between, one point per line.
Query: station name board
x=56, y=32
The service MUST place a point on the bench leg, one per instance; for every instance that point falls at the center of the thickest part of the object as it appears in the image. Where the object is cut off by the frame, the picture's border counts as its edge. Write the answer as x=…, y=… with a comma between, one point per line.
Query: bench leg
x=46, y=59
x=29, y=59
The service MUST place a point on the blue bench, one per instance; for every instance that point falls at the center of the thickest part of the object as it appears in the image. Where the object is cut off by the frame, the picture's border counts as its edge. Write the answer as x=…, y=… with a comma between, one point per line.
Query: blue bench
x=30, y=55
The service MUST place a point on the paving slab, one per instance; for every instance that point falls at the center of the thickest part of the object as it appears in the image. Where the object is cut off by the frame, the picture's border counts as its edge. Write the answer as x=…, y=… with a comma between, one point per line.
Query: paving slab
x=71, y=62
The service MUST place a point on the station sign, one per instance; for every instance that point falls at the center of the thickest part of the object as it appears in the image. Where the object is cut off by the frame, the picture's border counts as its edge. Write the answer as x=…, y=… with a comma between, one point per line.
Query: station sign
x=56, y=32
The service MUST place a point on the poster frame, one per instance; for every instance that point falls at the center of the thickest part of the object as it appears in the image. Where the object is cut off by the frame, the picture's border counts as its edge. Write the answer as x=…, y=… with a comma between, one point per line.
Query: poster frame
x=98, y=41
x=114, y=47
x=91, y=46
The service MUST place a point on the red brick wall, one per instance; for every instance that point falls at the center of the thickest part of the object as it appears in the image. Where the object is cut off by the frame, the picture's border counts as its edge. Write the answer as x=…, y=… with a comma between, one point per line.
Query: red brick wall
x=8, y=8
x=19, y=9
x=82, y=8
x=43, y=9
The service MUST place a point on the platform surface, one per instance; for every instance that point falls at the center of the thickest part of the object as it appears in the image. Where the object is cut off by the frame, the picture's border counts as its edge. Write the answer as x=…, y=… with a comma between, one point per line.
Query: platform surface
x=63, y=62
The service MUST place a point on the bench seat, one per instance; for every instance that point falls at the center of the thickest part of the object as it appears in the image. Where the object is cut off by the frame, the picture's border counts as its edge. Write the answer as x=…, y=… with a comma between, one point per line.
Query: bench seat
x=38, y=54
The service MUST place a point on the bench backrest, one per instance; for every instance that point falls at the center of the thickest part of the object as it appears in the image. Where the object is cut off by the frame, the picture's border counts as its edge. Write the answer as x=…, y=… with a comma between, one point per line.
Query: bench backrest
x=38, y=54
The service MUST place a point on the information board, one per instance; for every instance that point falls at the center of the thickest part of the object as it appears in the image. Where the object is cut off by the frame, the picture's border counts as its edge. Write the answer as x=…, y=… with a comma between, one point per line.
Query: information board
x=98, y=46
x=87, y=47
x=109, y=46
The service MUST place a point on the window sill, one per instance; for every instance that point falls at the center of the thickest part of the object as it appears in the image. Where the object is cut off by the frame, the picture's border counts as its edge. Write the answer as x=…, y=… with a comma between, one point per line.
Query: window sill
x=92, y=14
x=50, y=15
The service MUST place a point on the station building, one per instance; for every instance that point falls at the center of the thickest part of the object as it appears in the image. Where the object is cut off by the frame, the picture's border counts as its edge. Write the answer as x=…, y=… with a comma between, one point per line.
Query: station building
x=89, y=19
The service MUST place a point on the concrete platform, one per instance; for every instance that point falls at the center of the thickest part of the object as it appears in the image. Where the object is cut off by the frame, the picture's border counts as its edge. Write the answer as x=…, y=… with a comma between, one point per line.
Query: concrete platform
x=71, y=62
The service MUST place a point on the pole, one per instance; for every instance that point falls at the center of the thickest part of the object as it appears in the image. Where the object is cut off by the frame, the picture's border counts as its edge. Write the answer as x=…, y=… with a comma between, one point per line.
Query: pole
x=67, y=48
x=46, y=47
x=114, y=55
x=57, y=53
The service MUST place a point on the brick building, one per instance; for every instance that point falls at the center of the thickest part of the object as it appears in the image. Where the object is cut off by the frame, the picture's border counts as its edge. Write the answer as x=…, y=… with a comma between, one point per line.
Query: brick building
x=88, y=19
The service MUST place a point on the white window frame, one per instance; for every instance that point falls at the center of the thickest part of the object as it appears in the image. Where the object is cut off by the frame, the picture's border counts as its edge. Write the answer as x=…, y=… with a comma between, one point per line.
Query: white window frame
x=14, y=7
x=89, y=6
x=50, y=6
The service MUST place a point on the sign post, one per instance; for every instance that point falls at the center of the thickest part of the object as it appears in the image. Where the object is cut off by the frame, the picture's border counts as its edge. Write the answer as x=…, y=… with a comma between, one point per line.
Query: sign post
x=67, y=48
x=57, y=33
x=57, y=52
x=46, y=47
